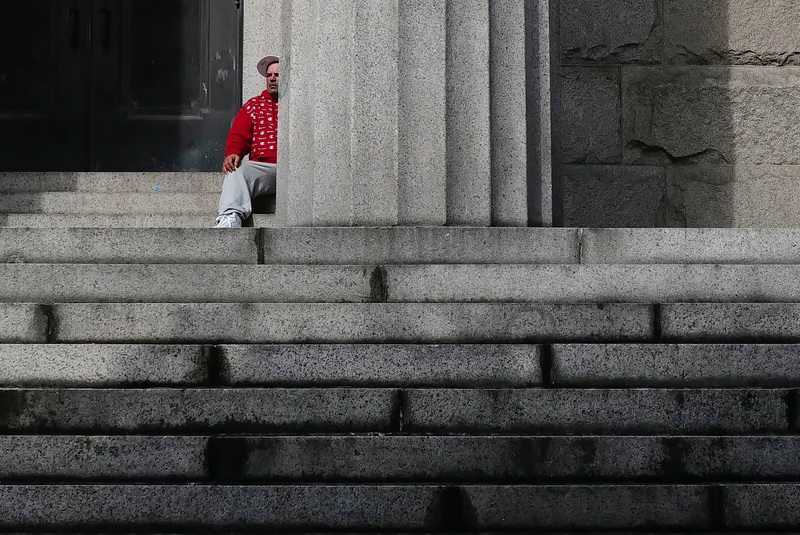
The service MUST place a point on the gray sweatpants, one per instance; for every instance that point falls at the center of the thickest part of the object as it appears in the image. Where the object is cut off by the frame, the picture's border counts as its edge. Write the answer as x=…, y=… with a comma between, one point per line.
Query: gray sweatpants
x=250, y=180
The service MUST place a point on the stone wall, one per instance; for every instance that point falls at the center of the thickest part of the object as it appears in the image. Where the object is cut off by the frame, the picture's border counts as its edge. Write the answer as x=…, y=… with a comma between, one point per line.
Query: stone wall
x=679, y=113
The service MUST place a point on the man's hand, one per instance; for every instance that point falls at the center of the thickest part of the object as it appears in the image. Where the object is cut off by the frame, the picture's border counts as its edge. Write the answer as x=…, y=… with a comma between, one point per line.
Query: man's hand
x=231, y=163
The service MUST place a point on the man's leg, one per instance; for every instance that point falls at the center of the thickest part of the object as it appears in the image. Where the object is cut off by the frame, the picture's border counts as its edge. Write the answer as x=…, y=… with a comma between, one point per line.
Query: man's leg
x=250, y=180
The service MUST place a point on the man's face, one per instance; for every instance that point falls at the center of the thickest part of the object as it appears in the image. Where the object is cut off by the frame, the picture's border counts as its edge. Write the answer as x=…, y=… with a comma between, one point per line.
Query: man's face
x=273, y=76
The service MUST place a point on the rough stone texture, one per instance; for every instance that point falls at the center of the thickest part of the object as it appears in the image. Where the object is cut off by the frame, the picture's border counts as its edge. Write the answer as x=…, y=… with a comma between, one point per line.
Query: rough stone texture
x=383, y=365
x=715, y=115
x=22, y=323
x=731, y=322
x=576, y=507
x=706, y=365
x=422, y=129
x=196, y=410
x=152, y=203
x=613, y=196
x=181, y=283
x=762, y=506
x=27, y=458
x=468, y=112
x=593, y=284
x=590, y=115
x=72, y=507
x=420, y=245
x=740, y=32
x=262, y=35
x=111, y=182
x=348, y=323
x=36, y=365
x=119, y=221
x=733, y=196
x=596, y=411
x=475, y=459
x=508, y=84
x=690, y=246
x=128, y=246
x=610, y=30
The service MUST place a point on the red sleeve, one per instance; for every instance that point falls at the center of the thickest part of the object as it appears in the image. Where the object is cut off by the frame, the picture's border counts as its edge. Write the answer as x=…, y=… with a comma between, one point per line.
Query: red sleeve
x=240, y=137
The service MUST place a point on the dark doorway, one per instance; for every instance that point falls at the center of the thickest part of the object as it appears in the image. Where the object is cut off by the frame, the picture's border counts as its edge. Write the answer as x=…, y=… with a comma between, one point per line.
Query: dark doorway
x=118, y=85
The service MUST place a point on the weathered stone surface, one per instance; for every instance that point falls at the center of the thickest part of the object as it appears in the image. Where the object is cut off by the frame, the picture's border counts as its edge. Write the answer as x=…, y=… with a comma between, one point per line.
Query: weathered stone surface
x=350, y=323
x=181, y=283
x=22, y=323
x=762, y=506
x=607, y=30
x=36, y=365
x=485, y=459
x=730, y=322
x=73, y=507
x=128, y=246
x=382, y=365
x=733, y=196
x=613, y=196
x=715, y=115
x=196, y=410
x=590, y=120
x=690, y=246
x=575, y=507
x=27, y=458
x=468, y=113
x=661, y=365
x=675, y=283
x=113, y=182
x=739, y=32
x=109, y=203
x=420, y=245
x=645, y=411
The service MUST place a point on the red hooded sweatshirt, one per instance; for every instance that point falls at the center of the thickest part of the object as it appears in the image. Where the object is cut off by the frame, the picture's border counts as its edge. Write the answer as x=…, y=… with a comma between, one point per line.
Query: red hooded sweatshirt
x=255, y=130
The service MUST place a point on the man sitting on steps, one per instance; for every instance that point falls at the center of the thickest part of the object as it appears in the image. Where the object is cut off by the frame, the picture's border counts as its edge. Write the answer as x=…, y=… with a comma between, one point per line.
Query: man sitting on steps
x=255, y=132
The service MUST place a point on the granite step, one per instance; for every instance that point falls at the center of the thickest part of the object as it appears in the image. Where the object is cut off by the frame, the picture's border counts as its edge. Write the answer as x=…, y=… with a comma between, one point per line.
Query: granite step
x=539, y=411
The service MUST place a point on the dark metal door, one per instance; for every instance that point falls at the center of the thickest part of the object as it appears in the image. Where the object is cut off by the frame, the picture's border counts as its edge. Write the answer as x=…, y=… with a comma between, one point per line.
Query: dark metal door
x=44, y=85
x=166, y=83
x=118, y=85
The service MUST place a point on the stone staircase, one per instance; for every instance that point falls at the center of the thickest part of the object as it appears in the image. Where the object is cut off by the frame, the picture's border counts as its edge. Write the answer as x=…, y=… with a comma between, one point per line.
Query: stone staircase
x=399, y=379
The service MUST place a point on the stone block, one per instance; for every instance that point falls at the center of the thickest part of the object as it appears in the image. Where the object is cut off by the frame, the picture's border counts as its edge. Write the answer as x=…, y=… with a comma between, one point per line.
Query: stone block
x=128, y=246
x=152, y=203
x=613, y=196
x=492, y=459
x=594, y=284
x=730, y=322
x=711, y=115
x=137, y=411
x=614, y=31
x=662, y=365
x=37, y=365
x=181, y=283
x=23, y=323
x=382, y=365
x=59, y=458
x=350, y=323
x=733, y=196
x=590, y=115
x=112, y=182
x=564, y=411
x=160, y=507
x=584, y=507
x=420, y=245
x=737, y=32
x=762, y=506
x=117, y=221
x=690, y=246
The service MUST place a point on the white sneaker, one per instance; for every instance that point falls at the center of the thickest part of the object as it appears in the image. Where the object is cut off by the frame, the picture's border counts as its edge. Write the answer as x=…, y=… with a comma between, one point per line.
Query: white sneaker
x=228, y=221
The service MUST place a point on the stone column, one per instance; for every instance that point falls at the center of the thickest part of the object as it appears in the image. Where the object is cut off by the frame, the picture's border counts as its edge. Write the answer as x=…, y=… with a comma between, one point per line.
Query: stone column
x=404, y=112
